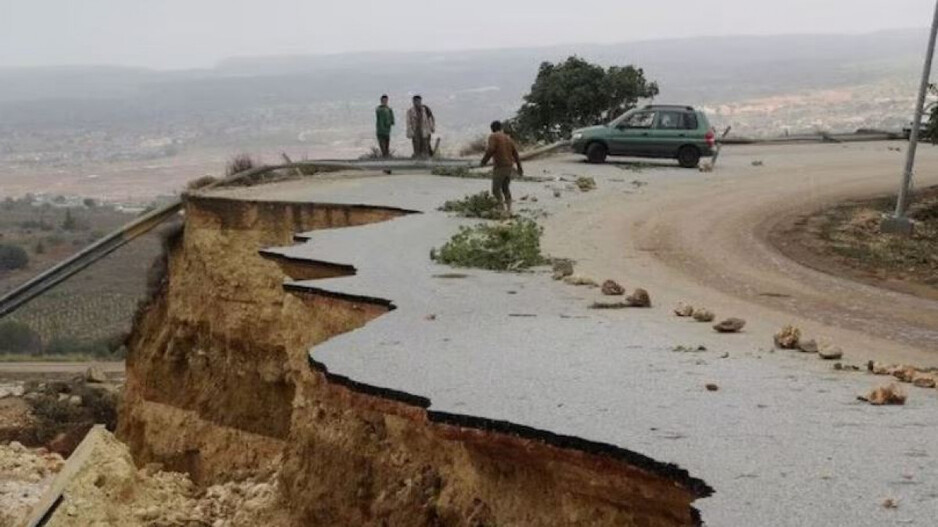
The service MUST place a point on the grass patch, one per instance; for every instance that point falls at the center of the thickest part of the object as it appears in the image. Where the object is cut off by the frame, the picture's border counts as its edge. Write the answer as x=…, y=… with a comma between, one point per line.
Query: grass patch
x=482, y=205
x=511, y=246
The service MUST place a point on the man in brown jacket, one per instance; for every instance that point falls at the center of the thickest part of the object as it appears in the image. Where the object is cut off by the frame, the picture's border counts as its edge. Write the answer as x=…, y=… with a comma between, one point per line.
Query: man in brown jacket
x=420, y=126
x=503, y=153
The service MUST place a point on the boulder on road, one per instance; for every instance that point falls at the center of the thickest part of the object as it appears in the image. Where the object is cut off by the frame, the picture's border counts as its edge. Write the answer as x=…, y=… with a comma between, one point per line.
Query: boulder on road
x=730, y=325
x=612, y=288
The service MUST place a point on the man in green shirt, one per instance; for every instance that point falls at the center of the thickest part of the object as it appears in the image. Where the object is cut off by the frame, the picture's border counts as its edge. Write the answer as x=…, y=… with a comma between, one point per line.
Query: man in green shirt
x=384, y=118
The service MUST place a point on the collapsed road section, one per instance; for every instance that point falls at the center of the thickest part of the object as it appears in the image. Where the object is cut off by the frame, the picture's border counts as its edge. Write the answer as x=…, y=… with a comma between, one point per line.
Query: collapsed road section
x=220, y=385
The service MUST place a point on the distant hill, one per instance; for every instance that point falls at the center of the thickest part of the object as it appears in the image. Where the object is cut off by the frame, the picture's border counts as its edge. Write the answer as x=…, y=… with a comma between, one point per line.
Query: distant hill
x=303, y=100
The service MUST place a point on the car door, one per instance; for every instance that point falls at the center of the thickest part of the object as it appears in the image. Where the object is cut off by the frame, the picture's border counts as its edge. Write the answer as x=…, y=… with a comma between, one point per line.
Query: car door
x=632, y=136
x=671, y=131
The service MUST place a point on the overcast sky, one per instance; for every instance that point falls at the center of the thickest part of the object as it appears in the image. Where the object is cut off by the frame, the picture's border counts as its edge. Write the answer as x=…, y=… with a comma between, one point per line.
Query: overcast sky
x=197, y=33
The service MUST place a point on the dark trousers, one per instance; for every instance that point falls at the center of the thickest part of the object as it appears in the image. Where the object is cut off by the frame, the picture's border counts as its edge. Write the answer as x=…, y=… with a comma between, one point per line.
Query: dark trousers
x=384, y=143
x=421, y=146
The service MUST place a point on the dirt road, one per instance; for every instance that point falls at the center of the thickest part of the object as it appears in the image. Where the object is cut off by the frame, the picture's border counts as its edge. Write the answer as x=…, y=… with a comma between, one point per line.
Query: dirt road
x=702, y=238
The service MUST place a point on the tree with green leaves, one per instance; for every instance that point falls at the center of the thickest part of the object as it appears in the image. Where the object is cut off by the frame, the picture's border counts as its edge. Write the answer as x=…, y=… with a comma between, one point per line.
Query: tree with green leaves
x=574, y=94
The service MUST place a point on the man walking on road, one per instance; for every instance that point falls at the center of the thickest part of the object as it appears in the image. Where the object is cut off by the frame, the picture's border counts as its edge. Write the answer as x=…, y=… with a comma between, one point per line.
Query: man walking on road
x=384, y=119
x=420, y=126
x=504, y=153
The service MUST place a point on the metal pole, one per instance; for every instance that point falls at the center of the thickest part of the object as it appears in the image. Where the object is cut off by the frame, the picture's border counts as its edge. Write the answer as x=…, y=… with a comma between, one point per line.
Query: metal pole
x=902, y=204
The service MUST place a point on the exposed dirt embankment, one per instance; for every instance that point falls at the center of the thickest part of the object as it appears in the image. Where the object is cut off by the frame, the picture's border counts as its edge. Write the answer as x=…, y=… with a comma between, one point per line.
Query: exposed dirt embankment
x=220, y=385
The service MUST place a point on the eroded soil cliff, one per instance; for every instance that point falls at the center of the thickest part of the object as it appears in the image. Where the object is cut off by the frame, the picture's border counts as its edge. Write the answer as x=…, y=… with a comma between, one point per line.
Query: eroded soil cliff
x=220, y=385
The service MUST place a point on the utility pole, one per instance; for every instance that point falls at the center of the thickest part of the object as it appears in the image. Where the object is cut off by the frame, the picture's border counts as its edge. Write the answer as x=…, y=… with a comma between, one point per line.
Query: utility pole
x=898, y=223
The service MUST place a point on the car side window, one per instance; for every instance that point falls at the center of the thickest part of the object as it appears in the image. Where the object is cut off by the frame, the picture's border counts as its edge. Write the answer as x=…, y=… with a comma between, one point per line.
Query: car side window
x=640, y=120
x=690, y=121
x=671, y=120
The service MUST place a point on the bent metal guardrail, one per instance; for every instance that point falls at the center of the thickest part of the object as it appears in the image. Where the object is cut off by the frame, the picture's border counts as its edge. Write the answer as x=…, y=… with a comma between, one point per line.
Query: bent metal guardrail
x=48, y=279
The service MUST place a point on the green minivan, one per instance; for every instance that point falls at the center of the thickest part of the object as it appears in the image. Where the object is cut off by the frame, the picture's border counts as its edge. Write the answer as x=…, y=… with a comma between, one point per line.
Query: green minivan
x=659, y=131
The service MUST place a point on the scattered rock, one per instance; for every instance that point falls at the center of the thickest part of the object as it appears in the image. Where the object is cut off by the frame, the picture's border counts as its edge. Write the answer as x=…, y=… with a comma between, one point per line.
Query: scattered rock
x=758, y=163
x=831, y=353
x=556, y=193
x=430, y=317
x=808, y=346
x=891, y=394
x=788, y=337
x=562, y=269
x=703, y=315
x=706, y=167
x=878, y=368
x=684, y=310
x=639, y=298
x=712, y=387
x=75, y=400
x=611, y=288
x=585, y=183
x=95, y=374
x=580, y=281
x=904, y=373
x=924, y=381
x=730, y=325
x=890, y=503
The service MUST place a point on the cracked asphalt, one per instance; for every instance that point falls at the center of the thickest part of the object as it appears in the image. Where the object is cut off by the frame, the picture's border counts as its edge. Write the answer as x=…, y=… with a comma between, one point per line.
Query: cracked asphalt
x=784, y=441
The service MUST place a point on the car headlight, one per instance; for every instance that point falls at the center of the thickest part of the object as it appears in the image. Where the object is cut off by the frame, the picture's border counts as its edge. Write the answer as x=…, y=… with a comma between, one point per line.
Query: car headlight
x=577, y=136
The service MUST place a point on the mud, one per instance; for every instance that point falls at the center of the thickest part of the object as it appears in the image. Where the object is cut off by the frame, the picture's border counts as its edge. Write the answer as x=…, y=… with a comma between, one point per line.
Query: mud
x=220, y=385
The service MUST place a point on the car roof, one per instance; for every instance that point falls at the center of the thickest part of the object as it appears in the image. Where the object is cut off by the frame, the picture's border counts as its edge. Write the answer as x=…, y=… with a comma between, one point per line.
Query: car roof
x=669, y=107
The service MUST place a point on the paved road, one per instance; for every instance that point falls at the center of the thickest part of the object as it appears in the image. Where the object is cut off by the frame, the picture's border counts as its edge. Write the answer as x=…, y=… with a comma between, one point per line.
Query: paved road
x=702, y=238
x=784, y=441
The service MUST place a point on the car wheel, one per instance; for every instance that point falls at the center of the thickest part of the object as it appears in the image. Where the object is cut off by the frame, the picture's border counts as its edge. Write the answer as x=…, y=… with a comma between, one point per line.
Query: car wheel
x=688, y=156
x=596, y=153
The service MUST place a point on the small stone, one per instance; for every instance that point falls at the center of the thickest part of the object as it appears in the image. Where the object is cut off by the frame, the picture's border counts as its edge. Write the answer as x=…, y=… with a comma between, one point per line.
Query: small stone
x=684, y=310
x=788, y=337
x=639, y=298
x=430, y=317
x=904, y=373
x=611, y=288
x=891, y=394
x=730, y=325
x=71, y=510
x=712, y=387
x=808, y=346
x=924, y=381
x=831, y=353
x=890, y=503
x=95, y=374
x=75, y=400
x=878, y=368
x=556, y=193
x=703, y=315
